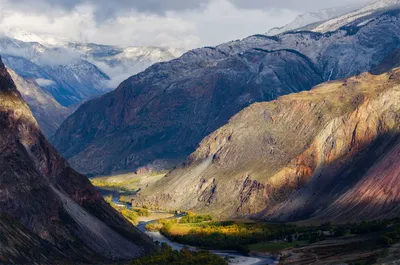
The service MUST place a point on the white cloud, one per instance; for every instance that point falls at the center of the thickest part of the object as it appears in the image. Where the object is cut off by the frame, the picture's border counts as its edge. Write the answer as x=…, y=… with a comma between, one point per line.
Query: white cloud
x=176, y=23
x=219, y=21
x=61, y=56
x=44, y=82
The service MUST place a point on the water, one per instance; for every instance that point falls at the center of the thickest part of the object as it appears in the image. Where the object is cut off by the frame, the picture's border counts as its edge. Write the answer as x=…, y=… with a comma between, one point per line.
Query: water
x=234, y=257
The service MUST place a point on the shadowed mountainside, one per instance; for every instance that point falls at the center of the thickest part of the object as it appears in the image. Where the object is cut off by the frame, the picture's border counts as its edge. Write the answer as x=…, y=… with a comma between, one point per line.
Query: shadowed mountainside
x=48, y=212
x=331, y=153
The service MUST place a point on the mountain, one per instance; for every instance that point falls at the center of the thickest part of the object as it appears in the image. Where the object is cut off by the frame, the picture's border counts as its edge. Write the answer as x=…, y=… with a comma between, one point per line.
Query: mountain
x=50, y=214
x=311, y=18
x=59, y=71
x=121, y=62
x=62, y=74
x=46, y=110
x=159, y=116
x=331, y=153
x=366, y=14
x=115, y=63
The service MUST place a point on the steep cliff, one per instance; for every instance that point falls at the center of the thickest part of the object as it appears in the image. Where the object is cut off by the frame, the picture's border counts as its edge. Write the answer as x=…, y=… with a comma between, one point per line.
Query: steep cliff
x=48, y=212
x=329, y=153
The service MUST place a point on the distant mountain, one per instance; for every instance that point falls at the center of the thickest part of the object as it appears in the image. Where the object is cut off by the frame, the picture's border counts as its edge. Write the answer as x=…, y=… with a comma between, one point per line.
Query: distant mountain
x=160, y=115
x=70, y=72
x=363, y=13
x=311, y=18
x=121, y=62
x=74, y=72
x=59, y=71
x=50, y=214
x=332, y=19
x=329, y=154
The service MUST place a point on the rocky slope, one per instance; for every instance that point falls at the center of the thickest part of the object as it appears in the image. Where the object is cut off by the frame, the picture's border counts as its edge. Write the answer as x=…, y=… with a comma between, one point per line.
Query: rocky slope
x=366, y=13
x=331, y=153
x=332, y=19
x=312, y=18
x=46, y=110
x=50, y=214
x=161, y=114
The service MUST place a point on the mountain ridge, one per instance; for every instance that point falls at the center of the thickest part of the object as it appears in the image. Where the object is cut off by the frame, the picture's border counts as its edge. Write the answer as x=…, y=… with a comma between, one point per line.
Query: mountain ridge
x=298, y=157
x=203, y=75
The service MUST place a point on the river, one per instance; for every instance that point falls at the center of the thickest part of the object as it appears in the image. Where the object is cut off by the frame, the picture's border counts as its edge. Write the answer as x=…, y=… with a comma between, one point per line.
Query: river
x=234, y=257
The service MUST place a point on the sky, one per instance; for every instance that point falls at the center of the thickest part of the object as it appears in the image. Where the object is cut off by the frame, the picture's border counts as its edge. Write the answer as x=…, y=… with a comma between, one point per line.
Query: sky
x=183, y=24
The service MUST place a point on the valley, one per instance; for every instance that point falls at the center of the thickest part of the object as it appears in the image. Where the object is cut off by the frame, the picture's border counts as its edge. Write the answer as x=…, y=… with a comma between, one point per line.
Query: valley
x=277, y=148
x=365, y=242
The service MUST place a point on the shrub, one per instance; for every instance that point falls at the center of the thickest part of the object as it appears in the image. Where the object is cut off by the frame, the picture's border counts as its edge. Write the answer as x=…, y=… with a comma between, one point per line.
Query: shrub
x=167, y=256
x=194, y=218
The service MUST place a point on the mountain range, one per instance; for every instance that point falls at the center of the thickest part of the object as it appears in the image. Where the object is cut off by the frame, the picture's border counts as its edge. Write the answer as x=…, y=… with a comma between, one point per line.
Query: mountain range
x=329, y=154
x=69, y=72
x=159, y=116
x=302, y=126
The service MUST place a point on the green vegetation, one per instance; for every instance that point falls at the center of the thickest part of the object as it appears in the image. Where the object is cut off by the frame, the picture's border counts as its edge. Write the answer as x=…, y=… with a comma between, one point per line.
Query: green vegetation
x=222, y=235
x=127, y=185
x=125, y=199
x=142, y=211
x=199, y=230
x=131, y=214
x=167, y=256
x=154, y=227
x=193, y=218
x=109, y=200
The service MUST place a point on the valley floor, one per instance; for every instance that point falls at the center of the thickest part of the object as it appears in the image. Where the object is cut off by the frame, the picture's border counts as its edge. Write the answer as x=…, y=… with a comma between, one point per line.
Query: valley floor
x=259, y=243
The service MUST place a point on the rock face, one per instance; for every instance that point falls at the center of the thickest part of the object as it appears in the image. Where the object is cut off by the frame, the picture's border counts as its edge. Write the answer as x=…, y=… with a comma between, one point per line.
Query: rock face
x=48, y=212
x=163, y=113
x=46, y=110
x=332, y=153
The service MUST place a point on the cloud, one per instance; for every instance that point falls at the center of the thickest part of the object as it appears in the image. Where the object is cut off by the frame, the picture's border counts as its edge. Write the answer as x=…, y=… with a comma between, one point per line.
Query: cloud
x=106, y=9
x=58, y=56
x=298, y=5
x=174, y=23
x=44, y=82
